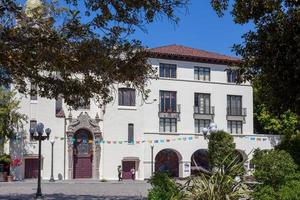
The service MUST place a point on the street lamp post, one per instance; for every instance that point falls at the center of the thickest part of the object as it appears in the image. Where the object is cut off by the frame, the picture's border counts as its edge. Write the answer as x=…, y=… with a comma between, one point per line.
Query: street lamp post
x=52, y=144
x=211, y=129
x=152, y=146
x=38, y=134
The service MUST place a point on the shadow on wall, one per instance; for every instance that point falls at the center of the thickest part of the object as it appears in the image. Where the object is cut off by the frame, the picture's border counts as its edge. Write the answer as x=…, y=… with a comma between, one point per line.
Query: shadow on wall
x=69, y=197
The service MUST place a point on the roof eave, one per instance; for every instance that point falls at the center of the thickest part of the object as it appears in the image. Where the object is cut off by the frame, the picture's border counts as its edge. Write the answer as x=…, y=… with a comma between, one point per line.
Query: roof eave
x=194, y=58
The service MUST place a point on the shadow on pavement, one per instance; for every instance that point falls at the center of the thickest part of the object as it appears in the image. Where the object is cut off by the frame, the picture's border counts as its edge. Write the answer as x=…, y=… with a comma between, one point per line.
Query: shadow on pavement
x=69, y=197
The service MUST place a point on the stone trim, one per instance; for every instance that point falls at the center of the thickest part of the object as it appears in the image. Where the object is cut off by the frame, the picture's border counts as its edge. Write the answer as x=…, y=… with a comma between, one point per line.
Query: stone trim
x=84, y=121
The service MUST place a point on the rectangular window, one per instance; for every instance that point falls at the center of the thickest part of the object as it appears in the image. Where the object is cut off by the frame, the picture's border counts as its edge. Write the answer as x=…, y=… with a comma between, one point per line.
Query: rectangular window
x=58, y=105
x=235, y=127
x=32, y=125
x=232, y=75
x=167, y=70
x=234, y=105
x=130, y=133
x=126, y=97
x=168, y=102
x=33, y=91
x=202, y=73
x=167, y=125
x=202, y=103
x=200, y=124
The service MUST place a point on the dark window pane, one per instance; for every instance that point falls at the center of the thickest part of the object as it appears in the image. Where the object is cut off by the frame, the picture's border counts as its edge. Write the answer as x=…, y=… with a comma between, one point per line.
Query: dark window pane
x=58, y=105
x=126, y=97
x=202, y=73
x=234, y=105
x=130, y=133
x=168, y=101
x=33, y=91
x=32, y=125
x=167, y=70
x=168, y=125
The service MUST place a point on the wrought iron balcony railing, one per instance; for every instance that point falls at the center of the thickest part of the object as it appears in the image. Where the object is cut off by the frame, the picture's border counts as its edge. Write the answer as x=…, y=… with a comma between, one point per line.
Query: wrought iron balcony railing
x=236, y=111
x=207, y=110
x=169, y=109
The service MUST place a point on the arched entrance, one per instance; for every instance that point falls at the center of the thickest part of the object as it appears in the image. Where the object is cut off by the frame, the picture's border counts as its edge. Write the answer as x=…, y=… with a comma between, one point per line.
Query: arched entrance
x=199, y=162
x=84, y=138
x=240, y=156
x=83, y=154
x=167, y=160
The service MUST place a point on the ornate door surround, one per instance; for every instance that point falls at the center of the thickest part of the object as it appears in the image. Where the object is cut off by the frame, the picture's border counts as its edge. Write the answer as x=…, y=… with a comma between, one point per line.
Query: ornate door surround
x=84, y=121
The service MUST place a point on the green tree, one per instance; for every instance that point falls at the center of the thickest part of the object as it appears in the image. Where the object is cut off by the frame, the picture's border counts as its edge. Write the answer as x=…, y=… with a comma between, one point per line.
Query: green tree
x=220, y=146
x=10, y=119
x=273, y=168
x=285, y=124
x=78, y=49
x=270, y=51
x=292, y=146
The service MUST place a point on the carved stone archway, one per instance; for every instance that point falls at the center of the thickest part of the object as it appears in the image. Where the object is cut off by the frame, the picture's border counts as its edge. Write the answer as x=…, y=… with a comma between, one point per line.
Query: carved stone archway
x=84, y=121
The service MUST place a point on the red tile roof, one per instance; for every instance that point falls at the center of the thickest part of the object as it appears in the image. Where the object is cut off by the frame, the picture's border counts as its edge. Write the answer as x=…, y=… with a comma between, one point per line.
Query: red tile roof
x=179, y=52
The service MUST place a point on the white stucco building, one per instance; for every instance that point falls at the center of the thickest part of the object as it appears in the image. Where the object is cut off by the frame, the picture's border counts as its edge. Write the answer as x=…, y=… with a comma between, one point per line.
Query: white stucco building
x=194, y=88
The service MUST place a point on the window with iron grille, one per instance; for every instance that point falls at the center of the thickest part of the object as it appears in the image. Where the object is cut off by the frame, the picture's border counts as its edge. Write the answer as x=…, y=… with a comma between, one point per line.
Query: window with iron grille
x=202, y=103
x=168, y=101
x=234, y=105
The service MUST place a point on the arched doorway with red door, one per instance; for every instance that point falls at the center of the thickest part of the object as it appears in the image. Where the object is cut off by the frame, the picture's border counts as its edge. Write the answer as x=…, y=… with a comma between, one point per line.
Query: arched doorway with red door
x=83, y=154
x=167, y=160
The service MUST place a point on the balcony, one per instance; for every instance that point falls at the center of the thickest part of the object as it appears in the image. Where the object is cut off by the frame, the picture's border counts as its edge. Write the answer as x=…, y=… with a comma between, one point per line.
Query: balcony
x=237, y=114
x=207, y=112
x=169, y=111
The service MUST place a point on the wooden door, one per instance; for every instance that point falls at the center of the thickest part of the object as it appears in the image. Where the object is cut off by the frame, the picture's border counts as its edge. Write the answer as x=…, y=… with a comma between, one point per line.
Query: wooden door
x=127, y=166
x=31, y=168
x=82, y=155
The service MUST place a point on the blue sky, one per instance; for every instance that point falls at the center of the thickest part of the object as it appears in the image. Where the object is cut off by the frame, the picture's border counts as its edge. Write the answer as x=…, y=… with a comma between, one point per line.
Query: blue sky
x=199, y=28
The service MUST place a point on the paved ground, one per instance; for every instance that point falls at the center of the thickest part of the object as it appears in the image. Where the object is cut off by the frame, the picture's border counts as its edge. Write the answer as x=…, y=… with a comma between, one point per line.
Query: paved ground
x=73, y=190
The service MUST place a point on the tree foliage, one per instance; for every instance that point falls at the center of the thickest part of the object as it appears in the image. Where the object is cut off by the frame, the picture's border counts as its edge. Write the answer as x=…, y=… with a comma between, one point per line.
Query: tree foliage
x=220, y=146
x=273, y=167
x=270, y=51
x=286, y=124
x=78, y=49
x=292, y=146
x=10, y=119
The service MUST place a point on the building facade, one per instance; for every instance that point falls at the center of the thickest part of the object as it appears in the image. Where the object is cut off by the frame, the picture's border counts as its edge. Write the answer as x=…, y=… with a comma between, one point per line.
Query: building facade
x=163, y=132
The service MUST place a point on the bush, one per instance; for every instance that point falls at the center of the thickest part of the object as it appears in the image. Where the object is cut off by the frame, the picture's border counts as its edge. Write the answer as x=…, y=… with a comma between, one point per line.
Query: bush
x=221, y=184
x=290, y=191
x=220, y=146
x=264, y=192
x=165, y=188
x=292, y=146
x=273, y=167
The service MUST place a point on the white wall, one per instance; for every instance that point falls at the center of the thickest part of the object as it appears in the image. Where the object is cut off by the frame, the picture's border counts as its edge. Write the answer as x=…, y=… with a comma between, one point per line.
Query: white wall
x=145, y=118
